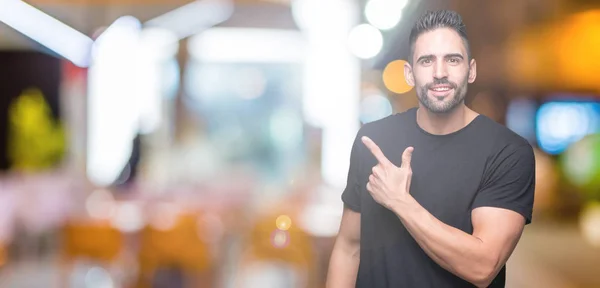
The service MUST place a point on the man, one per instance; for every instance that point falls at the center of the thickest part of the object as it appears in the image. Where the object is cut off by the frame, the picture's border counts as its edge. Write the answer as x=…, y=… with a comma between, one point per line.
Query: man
x=437, y=196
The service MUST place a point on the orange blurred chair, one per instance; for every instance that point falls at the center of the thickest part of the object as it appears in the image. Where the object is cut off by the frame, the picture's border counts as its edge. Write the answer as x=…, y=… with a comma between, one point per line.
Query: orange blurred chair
x=177, y=246
x=97, y=241
x=3, y=255
x=290, y=246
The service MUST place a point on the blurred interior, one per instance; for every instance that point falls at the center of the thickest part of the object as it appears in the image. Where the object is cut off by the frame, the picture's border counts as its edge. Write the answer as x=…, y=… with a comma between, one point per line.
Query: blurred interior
x=206, y=143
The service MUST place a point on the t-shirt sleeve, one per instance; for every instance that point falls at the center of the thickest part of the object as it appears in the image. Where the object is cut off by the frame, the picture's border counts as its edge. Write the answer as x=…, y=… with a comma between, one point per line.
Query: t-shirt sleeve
x=351, y=194
x=509, y=182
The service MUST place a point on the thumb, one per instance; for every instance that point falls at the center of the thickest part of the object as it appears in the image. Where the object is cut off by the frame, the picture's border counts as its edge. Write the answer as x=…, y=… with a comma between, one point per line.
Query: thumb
x=407, y=157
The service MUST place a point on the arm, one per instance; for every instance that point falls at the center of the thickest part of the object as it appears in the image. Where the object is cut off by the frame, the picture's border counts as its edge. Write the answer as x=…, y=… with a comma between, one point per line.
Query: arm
x=500, y=210
x=343, y=265
x=475, y=258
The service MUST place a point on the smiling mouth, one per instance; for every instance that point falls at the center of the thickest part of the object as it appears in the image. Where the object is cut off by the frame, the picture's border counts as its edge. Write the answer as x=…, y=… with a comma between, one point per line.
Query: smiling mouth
x=440, y=88
x=440, y=92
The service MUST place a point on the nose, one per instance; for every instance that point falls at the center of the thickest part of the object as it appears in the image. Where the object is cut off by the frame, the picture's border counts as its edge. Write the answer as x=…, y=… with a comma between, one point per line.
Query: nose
x=440, y=70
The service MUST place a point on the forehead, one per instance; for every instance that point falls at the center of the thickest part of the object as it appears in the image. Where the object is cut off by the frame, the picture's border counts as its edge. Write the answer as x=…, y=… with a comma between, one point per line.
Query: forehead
x=439, y=42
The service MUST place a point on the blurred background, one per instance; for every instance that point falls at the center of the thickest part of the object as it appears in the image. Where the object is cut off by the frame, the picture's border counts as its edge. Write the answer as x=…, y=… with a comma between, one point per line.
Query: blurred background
x=206, y=143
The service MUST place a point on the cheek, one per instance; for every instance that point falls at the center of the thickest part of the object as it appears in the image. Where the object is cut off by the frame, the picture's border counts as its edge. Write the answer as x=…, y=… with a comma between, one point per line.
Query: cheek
x=460, y=72
x=422, y=77
x=458, y=76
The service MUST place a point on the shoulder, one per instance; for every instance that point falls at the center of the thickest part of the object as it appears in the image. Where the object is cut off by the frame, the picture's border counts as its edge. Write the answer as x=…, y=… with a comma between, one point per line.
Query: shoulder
x=505, y=144
x=499, y=133
x=500, y=136
x=388, y=126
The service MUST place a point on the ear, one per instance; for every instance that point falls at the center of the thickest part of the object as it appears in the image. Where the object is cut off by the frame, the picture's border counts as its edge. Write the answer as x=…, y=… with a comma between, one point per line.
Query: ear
x=408, y=74
x=472, y=71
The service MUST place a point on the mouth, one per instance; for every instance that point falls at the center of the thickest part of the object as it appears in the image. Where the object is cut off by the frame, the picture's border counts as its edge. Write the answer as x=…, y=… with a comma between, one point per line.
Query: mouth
x=441, y=90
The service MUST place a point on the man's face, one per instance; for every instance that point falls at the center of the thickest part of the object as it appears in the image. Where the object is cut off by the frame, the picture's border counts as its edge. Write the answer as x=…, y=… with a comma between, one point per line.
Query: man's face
x=440, y=70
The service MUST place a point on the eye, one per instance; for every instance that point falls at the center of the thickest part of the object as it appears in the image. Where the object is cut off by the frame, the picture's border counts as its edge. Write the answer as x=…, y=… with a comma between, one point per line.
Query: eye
x=453, y=60
x=426, y=61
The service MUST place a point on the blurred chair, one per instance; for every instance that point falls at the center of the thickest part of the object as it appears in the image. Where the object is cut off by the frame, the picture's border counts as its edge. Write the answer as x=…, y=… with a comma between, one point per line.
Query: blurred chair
x=95, y=241
x=3, y=255
x=176, y=248
x=275, y=250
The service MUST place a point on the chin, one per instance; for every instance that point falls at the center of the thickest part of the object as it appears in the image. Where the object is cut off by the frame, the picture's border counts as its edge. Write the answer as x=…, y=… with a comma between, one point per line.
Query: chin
x=432, y=104
x=443, y=110
x=438, y=110
x=439, y=103
x=441, y=98
x=444, y=97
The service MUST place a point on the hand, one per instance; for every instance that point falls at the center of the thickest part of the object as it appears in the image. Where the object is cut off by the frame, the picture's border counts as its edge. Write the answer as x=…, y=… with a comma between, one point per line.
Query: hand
x=388, y=184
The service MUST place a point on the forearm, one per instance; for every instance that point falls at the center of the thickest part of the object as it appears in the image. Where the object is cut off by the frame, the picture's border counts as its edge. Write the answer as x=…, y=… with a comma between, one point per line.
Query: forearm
x=456, y=251
x=343, y=265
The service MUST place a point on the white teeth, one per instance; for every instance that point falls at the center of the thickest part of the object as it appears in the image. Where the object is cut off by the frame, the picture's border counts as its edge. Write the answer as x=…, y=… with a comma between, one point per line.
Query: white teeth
x=441, y=89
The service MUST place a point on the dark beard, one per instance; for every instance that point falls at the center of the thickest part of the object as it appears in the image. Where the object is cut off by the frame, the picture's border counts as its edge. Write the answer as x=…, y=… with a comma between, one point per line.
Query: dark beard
x=460, y=92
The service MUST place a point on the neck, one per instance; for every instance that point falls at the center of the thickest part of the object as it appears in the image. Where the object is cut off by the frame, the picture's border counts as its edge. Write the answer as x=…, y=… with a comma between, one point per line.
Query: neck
x=444, y=123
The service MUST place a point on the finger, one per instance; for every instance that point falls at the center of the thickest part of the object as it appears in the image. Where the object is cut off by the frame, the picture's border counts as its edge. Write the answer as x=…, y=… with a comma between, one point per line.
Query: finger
x=372, y=186
x=376, y=151
x=375, y=182
x=407, y=157
x=378, y=171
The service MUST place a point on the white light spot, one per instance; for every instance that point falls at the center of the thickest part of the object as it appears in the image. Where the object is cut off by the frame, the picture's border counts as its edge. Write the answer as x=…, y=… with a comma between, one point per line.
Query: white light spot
x=374, y=107
x=384, y=14
x=365, y=41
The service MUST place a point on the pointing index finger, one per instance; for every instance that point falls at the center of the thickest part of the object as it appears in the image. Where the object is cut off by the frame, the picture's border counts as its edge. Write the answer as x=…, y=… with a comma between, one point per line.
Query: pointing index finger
x=376, y=151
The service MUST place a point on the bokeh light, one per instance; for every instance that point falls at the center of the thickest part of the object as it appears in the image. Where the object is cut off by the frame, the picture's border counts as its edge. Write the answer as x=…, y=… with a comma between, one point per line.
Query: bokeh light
x=374, y=107
x=100, y=204
x=384, y=14
x=317, y=16
x=365, y=41
x=569, y=45
x=577, y=50
x=98, y=277
x=581, y=165
x=590, y=223
x=559, y=124
x=128, y=217
x=393, y=77
x=283, y=222
x=280, y=239
x=164, y=216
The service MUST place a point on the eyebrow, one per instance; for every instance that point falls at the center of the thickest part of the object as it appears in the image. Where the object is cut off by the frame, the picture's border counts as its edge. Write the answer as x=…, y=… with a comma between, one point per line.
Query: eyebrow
x=451, y=55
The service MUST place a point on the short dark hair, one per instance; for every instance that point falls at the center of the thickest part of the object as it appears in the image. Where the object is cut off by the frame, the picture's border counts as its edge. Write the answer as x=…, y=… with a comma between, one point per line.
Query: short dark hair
x=432, y=20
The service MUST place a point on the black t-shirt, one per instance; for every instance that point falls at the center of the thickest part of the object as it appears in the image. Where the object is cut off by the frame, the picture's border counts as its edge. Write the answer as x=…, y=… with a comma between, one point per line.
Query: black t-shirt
x=483, y=164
